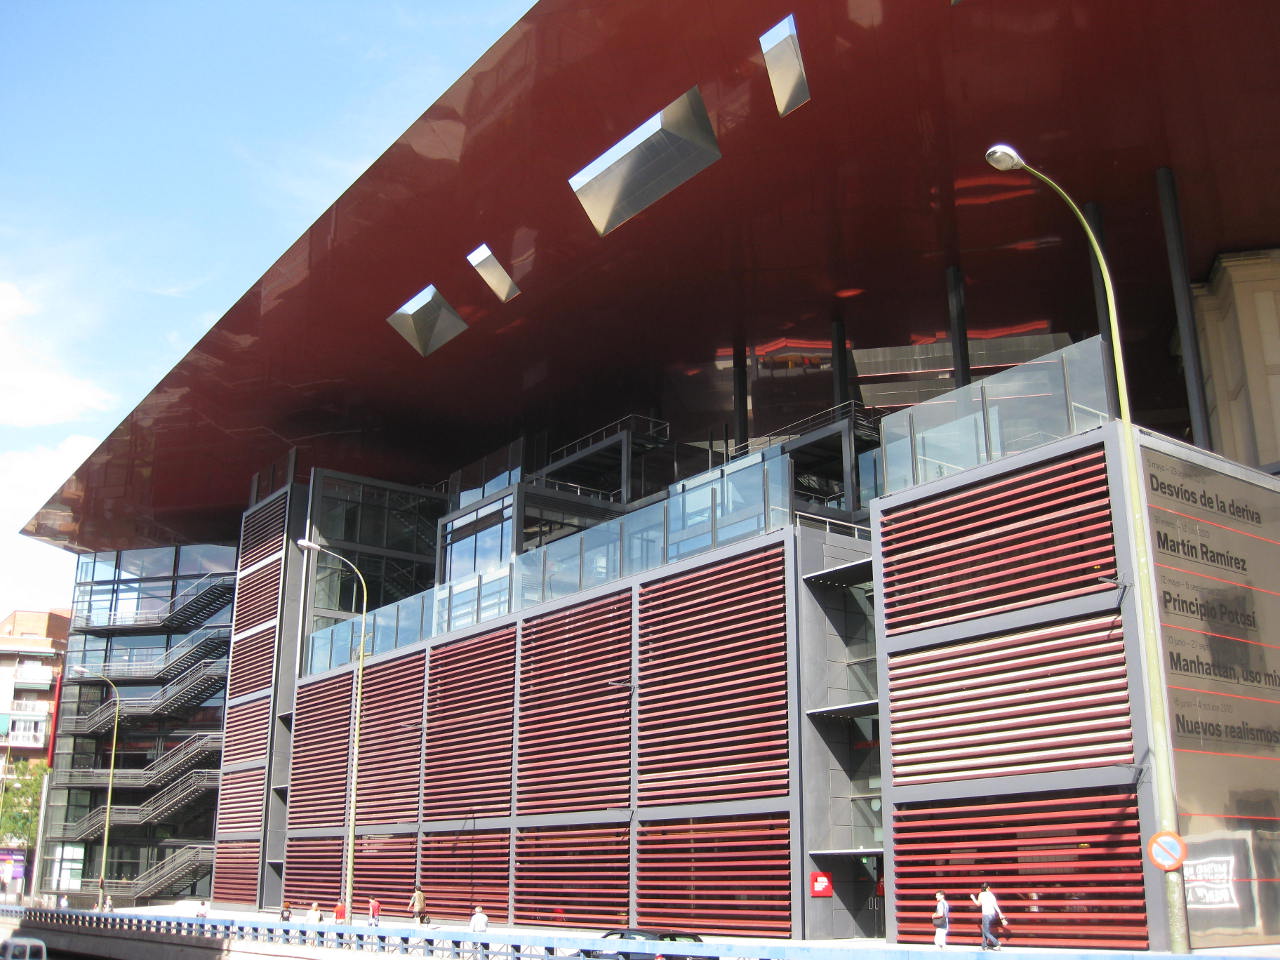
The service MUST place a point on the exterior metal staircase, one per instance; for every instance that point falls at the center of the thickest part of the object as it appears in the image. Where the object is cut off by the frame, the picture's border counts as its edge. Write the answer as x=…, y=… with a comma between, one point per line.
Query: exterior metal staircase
x=171, y=875
x=195, y=784
x=203, y=644
x=190, y=608
x=189, y=690
x=163, y=770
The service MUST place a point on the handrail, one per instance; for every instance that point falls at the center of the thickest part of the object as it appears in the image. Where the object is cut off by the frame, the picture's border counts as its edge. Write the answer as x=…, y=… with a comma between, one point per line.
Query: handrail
x=155, y=772
x=155, y=877
x=192, y=784
x=141, y=618
x=660, y=429
x=162, y=664
x=832, y=525
x=102, y=715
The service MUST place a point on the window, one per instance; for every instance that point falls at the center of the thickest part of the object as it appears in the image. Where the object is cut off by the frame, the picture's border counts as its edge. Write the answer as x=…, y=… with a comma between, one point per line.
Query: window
x=782, y=59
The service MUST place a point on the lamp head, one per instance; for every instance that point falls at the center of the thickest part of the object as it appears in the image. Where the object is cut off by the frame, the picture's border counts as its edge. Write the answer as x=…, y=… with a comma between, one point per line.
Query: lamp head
x=306, y=544
x=78, y=669
x=1004, y=158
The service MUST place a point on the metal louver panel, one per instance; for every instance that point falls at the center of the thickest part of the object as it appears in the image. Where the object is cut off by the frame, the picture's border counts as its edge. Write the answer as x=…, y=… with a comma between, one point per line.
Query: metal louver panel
x=575, y=709
x=257, y=598
x=390, y=736
x=235, y=871
x=730, y=876
x=1029, y=537
x=572, y=875
x=1052, y=698
x=252, y=660
x=262, y=532
x=384, y=869
x=462, y=870
x=240, y=800
x=313, y=872
x=713, y=683
x=1066, y=867
x=246, y=732
x=321, y=736
x=469, y=727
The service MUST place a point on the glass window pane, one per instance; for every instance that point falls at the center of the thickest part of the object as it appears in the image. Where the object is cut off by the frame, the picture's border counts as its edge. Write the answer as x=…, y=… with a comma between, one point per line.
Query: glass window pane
x=564, y=575
x=149, y=562
x=409, y=621
x=1027, y=406
x=642, y=536
x=201, y=558
x=602, y=553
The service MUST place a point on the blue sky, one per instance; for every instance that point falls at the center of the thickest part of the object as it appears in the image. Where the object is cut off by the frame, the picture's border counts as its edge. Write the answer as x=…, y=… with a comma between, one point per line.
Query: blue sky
x=155, y=158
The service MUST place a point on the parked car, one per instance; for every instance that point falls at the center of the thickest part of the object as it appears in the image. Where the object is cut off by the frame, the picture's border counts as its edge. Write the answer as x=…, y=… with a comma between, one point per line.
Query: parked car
x=23, y=948
x=643, y=934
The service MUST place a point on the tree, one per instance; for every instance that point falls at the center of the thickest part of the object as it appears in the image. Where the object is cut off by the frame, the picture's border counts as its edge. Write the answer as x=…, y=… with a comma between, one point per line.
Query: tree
x=20, y=803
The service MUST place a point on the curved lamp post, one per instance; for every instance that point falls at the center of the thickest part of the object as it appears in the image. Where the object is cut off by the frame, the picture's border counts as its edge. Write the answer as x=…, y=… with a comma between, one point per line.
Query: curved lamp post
x=111, y=779
x=1005, y=158
x=353, y=756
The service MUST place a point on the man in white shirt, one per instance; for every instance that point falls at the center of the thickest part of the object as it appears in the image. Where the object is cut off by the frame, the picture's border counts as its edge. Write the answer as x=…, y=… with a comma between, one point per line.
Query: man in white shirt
x=986, y=902
x=479, y=924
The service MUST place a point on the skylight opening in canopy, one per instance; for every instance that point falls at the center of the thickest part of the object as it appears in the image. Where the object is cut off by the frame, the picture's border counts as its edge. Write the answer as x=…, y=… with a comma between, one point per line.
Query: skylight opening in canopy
x=648, y=163
x=493, y=273
x=427, y=322
x=781, y=48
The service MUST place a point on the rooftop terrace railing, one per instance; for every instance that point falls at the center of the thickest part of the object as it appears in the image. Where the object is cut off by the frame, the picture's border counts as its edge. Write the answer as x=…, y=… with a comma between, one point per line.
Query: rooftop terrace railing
x=1058, y=395
x=741, y=499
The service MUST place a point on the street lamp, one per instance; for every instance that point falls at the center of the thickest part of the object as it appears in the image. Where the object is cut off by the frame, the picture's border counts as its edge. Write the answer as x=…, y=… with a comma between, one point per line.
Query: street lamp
x=1005, y=158
x=353, y=755
x=111, y=779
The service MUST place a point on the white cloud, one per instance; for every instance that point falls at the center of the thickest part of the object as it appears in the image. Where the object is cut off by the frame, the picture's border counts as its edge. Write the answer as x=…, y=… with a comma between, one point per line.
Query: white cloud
x=34, y=576
x=36, y=390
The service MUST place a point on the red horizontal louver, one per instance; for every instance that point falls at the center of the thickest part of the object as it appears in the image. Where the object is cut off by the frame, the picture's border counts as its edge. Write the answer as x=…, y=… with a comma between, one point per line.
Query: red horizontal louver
x=575, y=709
x=1066, y=868
x=390, y=738
x=469, y=727
x=729, y=876
x=1025, y=538
x=246, y=732
x=235, y=872
x=572, y=875
x=713, y=683
x=463, y=870
x=1052, y=698
x=257, y=598
x=313, y=868
x=240, y=800
x=262, y=532
x=384, y=869
x=252, y=659
x=321, y=741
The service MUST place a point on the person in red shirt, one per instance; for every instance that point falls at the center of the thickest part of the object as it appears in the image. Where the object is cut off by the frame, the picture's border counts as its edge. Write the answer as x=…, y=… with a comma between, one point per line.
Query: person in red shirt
x=340, y=912
x=375, y=912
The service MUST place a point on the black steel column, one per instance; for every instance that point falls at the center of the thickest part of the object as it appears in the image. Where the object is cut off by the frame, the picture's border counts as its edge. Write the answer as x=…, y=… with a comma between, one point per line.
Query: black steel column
x=740, y=421
x=839, y=357
x=1190, y=343
x=959, y=328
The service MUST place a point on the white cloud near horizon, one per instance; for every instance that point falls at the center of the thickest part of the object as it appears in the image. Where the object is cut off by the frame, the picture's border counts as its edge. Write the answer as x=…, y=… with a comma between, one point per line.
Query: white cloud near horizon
x=34, y=575
x=37, y=390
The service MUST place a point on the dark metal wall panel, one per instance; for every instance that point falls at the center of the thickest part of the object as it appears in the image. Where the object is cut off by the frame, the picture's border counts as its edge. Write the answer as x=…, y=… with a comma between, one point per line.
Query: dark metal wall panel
x=575, y=709
x=262, y=531
x=470, y=726
x=313, y=872
x=390, y=740
x=463, y=870
x=1028, y=537
x=713, y=683
x=321, y=737
x=1065, y=867
x=235, y=871
x=240, y=799
x=730, y=875
x=246, y=732
x=384, y=869
x=1051, y=698
x=573, y=875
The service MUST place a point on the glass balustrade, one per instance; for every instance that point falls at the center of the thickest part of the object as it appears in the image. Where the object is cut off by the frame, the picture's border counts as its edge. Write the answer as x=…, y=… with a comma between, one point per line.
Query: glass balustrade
x=741, y=499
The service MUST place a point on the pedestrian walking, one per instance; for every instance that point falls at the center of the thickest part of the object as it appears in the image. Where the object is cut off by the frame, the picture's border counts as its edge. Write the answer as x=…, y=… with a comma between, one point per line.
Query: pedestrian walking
x=418, y=905
x=340, y=912
x=479, y=924
x=941, y=919
x=375, y=911
x=991, y=913
x=286, y=911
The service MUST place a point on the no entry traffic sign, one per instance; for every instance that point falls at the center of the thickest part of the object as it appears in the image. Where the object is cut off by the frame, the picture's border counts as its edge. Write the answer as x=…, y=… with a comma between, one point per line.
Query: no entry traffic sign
x=1167, y=850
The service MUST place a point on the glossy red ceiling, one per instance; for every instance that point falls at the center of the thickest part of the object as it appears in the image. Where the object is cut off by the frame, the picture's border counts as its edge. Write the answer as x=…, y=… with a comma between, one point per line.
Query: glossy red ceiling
x=878, y=183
